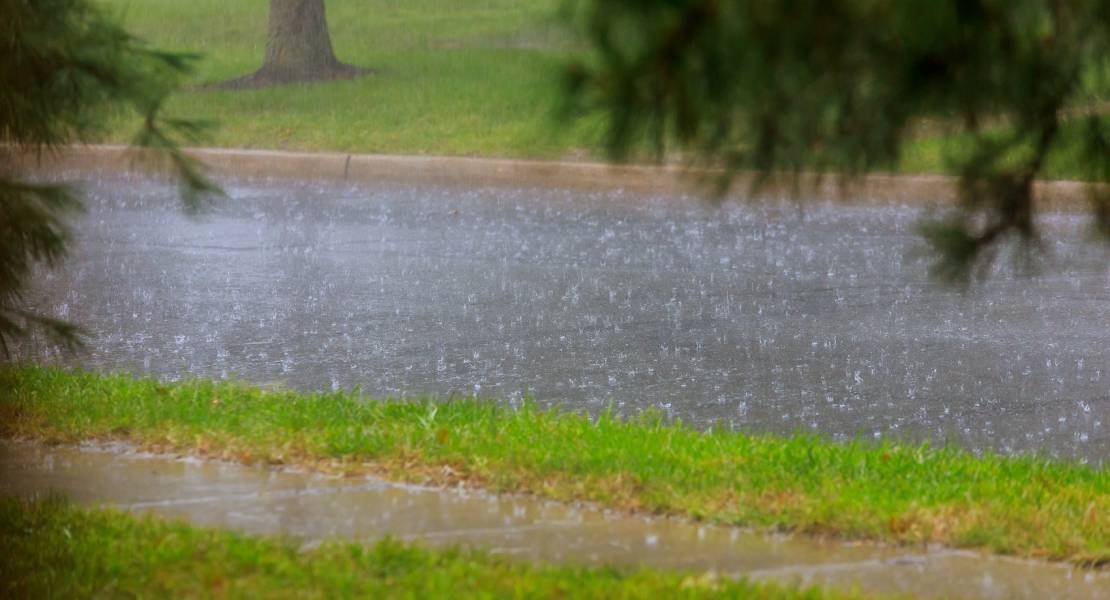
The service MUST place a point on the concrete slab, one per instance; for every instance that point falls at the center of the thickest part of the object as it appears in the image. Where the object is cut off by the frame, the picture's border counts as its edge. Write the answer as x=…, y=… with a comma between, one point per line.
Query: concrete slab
x=312, y=508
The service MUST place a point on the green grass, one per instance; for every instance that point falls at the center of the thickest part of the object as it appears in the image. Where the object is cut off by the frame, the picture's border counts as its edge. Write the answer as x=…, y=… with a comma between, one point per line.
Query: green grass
x=475, y=78
x=453, y=78
x=55, y=550
x=902, y=493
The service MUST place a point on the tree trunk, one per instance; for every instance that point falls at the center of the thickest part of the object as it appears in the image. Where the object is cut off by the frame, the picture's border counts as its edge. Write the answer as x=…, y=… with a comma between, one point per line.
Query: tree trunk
x=298, y=48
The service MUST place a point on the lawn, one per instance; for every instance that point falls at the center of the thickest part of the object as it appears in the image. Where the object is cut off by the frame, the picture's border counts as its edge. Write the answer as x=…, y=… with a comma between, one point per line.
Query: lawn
x=453, y=78
x=476, y=78
x=55, y=550
x=1022, y=505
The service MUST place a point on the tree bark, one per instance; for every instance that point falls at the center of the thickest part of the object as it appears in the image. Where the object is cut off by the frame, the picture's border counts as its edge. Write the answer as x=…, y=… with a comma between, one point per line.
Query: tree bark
x=298, y=49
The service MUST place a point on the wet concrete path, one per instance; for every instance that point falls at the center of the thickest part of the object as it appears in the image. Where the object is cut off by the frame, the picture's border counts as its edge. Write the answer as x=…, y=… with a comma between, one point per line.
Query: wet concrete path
x=313, y=507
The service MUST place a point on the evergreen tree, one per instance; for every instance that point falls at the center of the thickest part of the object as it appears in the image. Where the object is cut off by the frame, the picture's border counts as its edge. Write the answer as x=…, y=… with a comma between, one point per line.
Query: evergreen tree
x=840, y=85
x=65, y=67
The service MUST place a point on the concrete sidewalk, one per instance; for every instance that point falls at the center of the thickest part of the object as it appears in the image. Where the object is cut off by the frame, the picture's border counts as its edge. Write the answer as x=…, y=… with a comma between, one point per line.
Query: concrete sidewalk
x=313, y=508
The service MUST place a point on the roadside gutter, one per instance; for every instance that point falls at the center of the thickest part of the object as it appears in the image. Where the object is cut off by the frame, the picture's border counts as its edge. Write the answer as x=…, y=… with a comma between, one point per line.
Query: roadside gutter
x=497, y=172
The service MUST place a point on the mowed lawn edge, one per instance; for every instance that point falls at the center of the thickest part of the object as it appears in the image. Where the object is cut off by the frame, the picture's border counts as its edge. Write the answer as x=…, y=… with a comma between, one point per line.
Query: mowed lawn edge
x=913, y=494
x=55, y=549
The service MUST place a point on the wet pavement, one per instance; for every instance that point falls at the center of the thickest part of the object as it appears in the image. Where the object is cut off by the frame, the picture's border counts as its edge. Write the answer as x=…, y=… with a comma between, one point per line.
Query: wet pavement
x=760, y=317
x=313, y=507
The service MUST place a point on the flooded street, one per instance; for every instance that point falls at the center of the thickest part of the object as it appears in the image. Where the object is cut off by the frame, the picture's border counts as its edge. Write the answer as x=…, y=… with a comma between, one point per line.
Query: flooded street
x=757, y=317
x=312, y=507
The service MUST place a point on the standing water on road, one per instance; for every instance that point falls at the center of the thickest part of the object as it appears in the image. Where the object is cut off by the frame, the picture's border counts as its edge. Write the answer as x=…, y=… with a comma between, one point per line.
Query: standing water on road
x=759, y=317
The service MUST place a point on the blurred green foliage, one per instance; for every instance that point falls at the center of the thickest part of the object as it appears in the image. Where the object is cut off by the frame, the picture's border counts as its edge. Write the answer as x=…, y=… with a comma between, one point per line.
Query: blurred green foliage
x=841, y=85
x=65, y=69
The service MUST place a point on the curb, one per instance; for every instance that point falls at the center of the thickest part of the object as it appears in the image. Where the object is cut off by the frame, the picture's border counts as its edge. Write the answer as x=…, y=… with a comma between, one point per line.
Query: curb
x=494, y=172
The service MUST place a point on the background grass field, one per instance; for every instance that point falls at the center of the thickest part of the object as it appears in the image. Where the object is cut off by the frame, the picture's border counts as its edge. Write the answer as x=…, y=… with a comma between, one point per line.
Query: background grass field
x=473, y=78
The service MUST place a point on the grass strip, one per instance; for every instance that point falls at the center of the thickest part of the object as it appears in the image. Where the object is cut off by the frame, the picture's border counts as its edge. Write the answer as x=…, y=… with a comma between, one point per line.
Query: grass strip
x=1022, y=505
x=55, y=550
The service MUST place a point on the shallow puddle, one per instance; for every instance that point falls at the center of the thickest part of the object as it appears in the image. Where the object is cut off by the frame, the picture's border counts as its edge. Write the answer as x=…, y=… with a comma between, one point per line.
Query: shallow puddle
x=313, y=507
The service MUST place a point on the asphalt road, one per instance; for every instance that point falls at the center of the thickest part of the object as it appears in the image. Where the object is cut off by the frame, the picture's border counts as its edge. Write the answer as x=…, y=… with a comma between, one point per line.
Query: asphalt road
x=762, y=317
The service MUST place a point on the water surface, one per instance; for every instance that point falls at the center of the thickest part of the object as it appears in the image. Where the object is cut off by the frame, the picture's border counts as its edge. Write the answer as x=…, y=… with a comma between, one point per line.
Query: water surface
x=760, y=317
